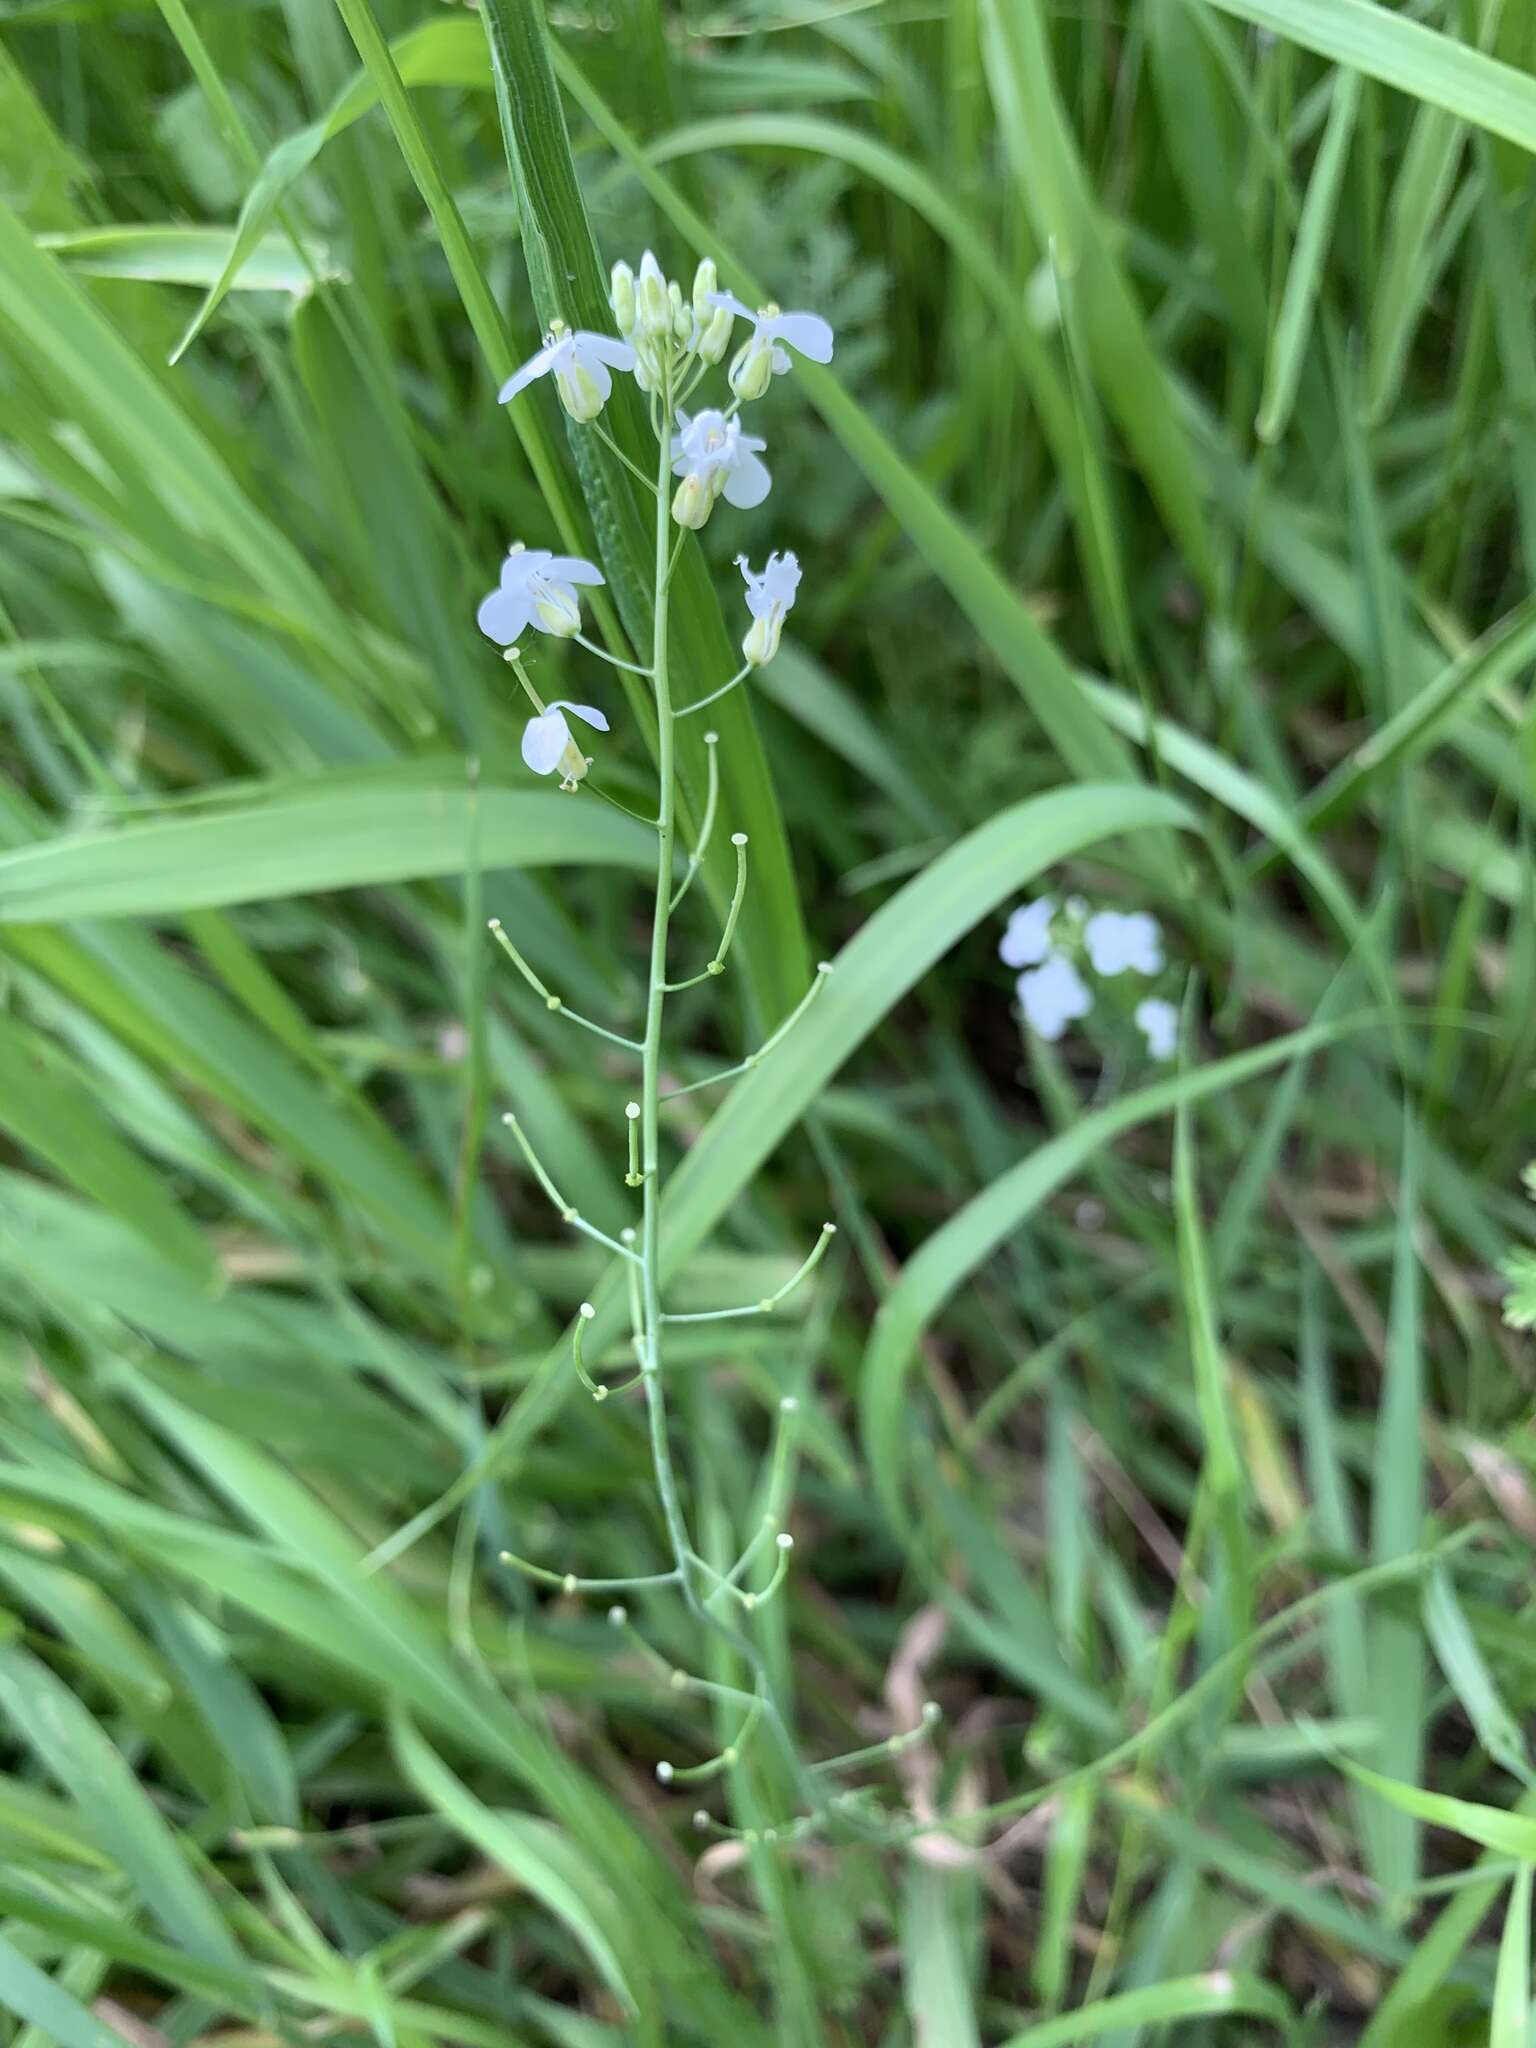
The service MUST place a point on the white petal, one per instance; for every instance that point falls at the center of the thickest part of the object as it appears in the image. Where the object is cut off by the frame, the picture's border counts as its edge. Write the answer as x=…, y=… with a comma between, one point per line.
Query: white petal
x=781, y=579
x=748, y=483
x=572, y=569
x=1121, y=940
x=605, y=349
x=534, y=367
x=503, y=616
x=1027, y=939
x=1159, y=1022
x=544, y=741
x=807, y=332
x=593, y=367
x=1052, y=995
x=732, y=305
x=521, y=566
x=782, y=361
x=589, y=712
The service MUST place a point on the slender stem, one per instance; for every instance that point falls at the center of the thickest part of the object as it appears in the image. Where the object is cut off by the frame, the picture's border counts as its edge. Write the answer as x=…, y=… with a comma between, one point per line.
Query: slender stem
x=692, y=382
x=707, y=823
x=738, y=896
x=569, y=1583
x=699, y=702
x=655, y=1006
x=596, y=789
x=764, y=1594
x=635, y=1175
x=603, y=434
x=695, y=1774
x=754, y=1059
x=602, y=654
x=689, y=1569
x=551, y=1001
x=690, y=1574
x=893, y=1745
x=769, y=1302
x=784, y=1435
x=513, y=657
x=566, y=1213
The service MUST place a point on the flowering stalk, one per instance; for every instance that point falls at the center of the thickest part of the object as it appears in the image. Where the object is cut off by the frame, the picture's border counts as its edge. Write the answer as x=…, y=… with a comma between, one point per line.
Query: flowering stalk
x=669, y=346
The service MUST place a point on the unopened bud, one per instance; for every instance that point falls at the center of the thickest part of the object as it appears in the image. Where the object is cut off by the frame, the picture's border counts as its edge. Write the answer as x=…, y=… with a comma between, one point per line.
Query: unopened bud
x=715, y=338
x=682, y=314
x=693, y=501
x=706, y=282
x=621, y=296
x=653, y=306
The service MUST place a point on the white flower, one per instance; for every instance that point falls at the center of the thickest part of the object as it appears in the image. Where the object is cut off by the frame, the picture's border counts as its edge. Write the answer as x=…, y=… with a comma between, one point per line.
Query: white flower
x=1027, y=940
x=715, y=458
x=1052, y=995
x=761, y=358
x=579, y=363
x=770, y=597
x=537, y=589
x=1159, y=1022
x=1117, y=940
x=548, y=742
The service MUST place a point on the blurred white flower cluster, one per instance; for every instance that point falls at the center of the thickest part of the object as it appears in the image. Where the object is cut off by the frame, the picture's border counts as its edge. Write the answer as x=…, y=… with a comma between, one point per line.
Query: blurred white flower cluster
x=1052, y=942
x=667, y=343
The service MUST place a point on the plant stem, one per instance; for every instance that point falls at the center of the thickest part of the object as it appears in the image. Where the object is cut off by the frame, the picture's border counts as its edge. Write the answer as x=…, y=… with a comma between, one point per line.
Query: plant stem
x=650, y=1053
x=689, y=1566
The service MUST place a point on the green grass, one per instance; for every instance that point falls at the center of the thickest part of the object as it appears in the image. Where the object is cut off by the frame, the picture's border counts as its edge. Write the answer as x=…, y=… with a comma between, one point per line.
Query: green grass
x=1168, y=516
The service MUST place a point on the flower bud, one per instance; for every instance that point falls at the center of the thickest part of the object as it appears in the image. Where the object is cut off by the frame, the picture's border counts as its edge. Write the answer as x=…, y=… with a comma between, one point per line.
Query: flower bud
x=716, y=337
x=693, y=501
x=621, y=296
x=682, y=314
x=653, y=305
x=706, y=282
x=751, y=370
x=647, y=371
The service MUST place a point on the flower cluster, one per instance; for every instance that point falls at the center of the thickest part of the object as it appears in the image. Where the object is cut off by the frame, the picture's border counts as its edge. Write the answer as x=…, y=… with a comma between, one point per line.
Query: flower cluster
x=667, y=343
x=1051, y=943
x=702, y=457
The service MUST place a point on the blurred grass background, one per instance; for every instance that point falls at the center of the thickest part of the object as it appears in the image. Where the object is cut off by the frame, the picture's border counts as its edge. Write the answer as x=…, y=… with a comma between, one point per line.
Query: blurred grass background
x=1168, y=517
